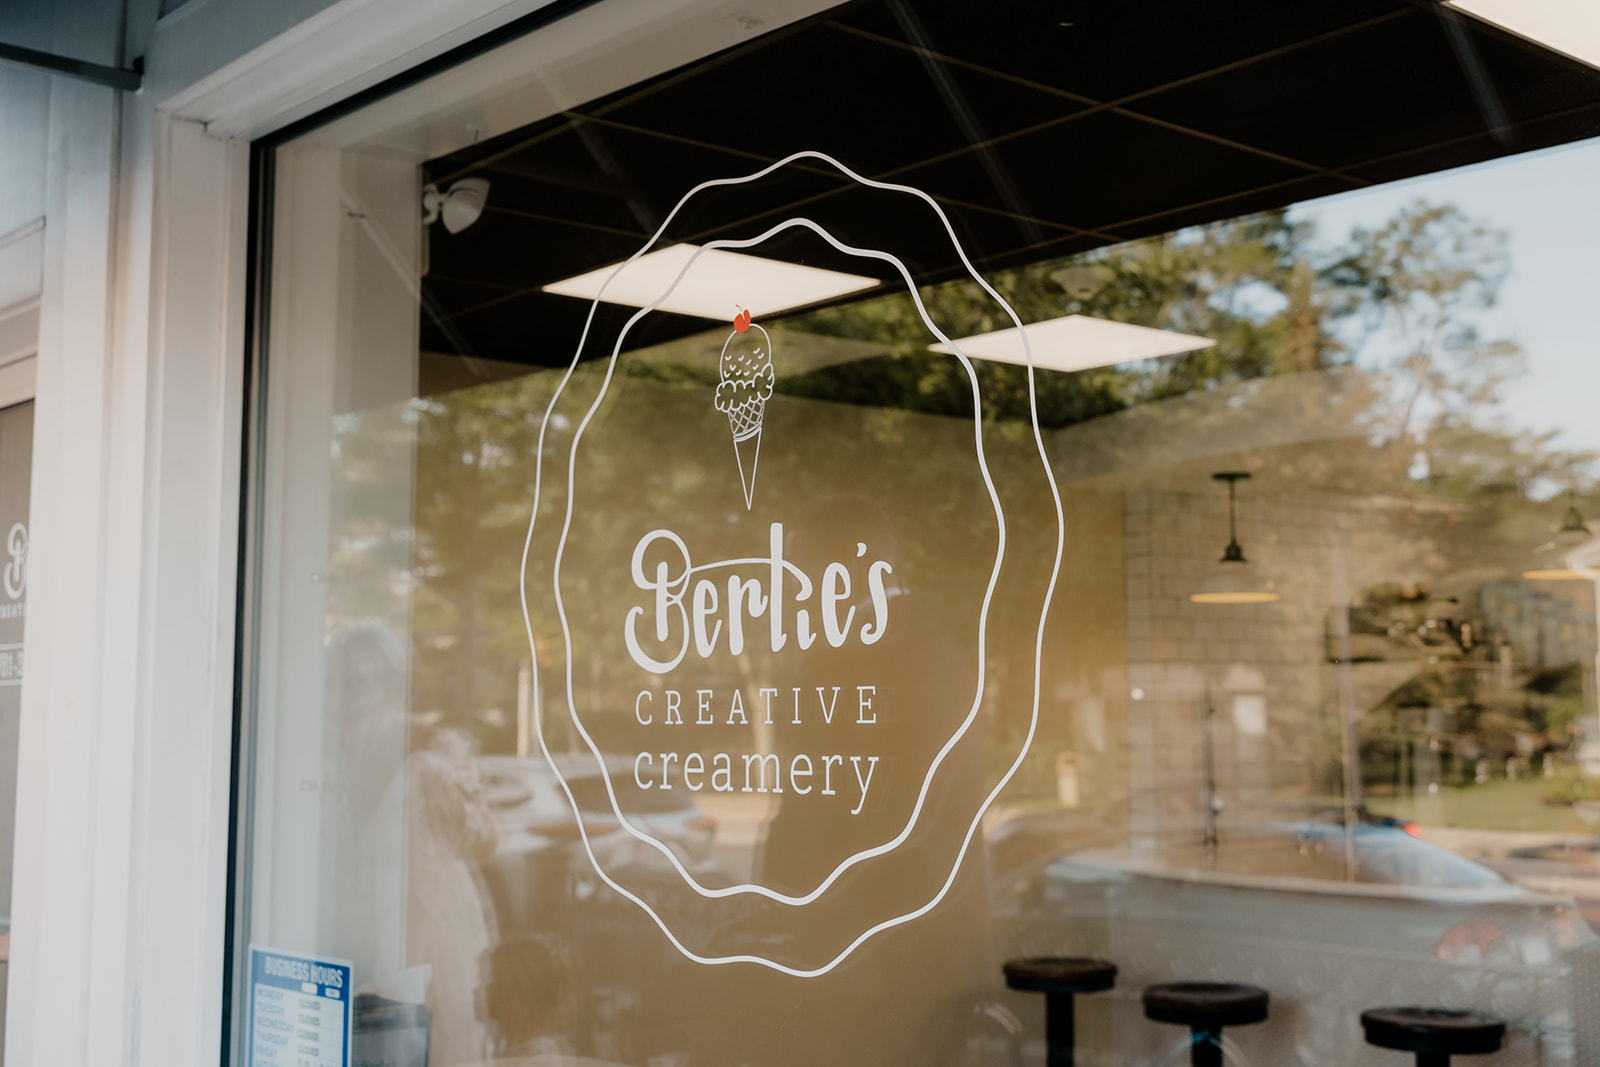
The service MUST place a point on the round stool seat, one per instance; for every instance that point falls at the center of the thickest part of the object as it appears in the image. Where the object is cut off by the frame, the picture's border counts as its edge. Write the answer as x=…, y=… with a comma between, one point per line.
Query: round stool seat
x=1061, y=974
x=1432, y=1031
x=1206, y=1005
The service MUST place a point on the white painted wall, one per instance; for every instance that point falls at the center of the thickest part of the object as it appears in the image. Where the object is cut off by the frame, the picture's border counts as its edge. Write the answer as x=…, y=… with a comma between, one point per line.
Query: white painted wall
x=64, y=172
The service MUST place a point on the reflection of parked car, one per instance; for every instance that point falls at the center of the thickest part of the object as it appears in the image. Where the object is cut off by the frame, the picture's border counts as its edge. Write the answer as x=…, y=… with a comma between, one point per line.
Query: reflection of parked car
x=1389, y=853
x=542, y=883
x=539, y=834
x=526, y=799
x=1414, y=924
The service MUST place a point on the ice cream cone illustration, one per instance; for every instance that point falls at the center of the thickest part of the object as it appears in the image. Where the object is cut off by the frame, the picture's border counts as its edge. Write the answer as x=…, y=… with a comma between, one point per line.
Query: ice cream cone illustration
x=747, y=378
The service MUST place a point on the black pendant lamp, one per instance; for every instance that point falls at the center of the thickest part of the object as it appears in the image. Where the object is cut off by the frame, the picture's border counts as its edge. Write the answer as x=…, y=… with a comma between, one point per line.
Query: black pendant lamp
x=1233, y=580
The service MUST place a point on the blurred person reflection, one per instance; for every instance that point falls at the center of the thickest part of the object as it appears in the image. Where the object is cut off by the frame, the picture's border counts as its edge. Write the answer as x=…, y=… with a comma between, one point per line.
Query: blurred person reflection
x=428, y=825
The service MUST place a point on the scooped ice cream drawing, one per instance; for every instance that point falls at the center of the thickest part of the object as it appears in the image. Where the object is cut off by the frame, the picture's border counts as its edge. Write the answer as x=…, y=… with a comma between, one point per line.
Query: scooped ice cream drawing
x=747, y=378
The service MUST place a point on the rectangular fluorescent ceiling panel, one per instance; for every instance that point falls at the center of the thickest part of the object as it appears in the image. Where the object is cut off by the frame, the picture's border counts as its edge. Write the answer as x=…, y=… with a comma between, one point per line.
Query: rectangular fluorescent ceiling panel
x=1077, y=342
x=716, y=286
x=1571, y=27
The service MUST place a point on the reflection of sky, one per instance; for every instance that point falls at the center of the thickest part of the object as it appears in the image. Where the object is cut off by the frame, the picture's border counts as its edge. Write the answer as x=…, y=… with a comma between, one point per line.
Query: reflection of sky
x=1549, y=203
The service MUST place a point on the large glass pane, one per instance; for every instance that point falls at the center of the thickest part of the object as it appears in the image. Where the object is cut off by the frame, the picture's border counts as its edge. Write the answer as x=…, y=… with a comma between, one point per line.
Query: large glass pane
x=699, y=623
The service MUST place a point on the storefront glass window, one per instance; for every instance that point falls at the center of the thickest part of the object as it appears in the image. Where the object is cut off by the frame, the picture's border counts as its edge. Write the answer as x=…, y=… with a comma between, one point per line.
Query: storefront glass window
x=761, y=521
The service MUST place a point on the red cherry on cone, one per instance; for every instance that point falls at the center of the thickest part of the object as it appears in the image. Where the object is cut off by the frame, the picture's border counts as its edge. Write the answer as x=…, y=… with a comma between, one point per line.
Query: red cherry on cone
x=741, y=321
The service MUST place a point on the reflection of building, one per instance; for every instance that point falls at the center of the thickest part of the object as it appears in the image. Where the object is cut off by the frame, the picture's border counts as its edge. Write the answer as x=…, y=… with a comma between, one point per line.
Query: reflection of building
x=1394, y=606
x=1185, y=656
x=1540, y=628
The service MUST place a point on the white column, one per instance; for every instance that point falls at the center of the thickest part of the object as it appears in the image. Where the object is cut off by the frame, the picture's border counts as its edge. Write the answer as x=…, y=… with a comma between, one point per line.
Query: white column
x=193, y=425
x=71, y=850
x=122, y=836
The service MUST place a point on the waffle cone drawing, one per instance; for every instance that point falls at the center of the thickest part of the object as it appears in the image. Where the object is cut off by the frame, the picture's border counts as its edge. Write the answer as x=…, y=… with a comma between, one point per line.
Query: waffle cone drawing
x=746, y=384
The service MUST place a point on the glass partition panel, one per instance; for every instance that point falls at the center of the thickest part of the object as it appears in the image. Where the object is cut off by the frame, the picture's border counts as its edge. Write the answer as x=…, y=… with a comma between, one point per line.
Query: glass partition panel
x=752, y=547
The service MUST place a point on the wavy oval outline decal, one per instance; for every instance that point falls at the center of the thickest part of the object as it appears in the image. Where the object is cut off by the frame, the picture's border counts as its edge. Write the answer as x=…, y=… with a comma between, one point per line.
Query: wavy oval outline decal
x=888, y=846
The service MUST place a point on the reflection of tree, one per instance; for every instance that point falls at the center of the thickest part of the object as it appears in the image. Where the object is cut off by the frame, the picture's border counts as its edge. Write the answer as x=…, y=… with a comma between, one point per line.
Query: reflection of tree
x=1390, y=312
x=1417, y=279
x=1213, y=281
x=369, y=557
x=1499, y=676
x=1396, y=304
x=657, y=453
x=474, y=484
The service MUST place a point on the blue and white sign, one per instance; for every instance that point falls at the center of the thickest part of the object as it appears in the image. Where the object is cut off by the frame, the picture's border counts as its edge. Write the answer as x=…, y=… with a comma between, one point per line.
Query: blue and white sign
x=299, y=1010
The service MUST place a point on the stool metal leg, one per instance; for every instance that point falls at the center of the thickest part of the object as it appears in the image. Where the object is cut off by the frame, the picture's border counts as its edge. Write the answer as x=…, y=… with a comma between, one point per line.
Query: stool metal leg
x=1433, y=1059
x=1058, y=1029
x=1207, y=1048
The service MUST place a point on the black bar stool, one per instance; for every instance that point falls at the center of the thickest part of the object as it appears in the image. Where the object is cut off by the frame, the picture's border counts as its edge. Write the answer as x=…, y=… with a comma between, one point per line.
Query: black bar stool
x=1059, y=979
x=1205, y=1008
x=1434, y=1034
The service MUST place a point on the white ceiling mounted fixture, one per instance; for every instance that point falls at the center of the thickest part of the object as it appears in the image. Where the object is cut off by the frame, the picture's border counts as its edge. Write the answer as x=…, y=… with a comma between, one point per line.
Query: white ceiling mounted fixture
x=458, y=208
x=1077, y=342
x=1571, y=27
x=718, y=283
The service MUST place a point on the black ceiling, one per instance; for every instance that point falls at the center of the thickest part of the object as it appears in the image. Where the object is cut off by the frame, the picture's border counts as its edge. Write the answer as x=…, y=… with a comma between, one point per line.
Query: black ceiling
x=1043, y=129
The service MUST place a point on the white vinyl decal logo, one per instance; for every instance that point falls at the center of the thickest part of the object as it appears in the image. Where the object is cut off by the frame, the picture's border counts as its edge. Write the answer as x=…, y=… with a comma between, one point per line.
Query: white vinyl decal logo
x=668, y=614
x=689, y=607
